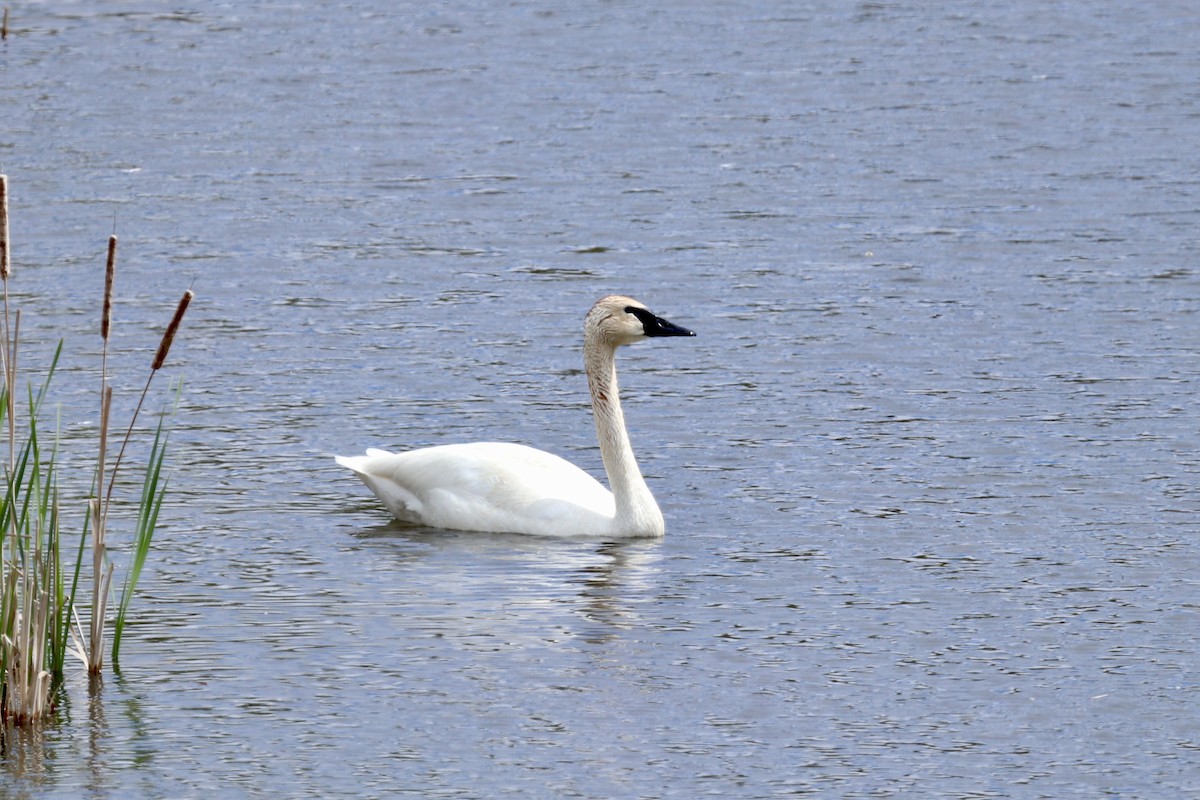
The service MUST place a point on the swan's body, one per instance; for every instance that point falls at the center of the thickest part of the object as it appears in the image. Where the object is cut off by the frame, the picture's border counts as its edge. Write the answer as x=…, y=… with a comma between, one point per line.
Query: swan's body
x=502, y=487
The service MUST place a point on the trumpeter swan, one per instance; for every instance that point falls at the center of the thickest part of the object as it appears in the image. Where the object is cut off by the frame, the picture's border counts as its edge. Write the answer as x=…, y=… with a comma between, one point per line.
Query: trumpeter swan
x=502, y=487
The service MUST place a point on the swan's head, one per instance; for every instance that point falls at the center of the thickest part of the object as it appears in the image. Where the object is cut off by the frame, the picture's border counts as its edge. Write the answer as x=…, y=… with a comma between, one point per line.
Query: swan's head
x=617, y=320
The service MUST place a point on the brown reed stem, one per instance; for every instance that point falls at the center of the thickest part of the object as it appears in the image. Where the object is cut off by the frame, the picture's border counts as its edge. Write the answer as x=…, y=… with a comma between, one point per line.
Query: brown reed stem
x=163, y=348
x=4, y=25
x=99, y=524
x=110, y=273
x=100, y=509
x=4, y=253
x=8, y=351
x=10, y=376
x=8, y=348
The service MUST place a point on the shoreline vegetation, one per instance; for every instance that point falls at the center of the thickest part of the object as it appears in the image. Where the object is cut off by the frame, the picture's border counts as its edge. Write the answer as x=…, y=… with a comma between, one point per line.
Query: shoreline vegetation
x=41, y=573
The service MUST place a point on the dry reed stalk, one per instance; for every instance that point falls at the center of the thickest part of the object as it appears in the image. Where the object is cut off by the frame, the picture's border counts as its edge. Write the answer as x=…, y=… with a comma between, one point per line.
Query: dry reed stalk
x=99, y=510
x=164, y=347
x=10, y=377
x=100, y=506
x=4, y=25
x=101, y=576
x=8, y=343
x=110, y=274
x=5, y=269
x=32, y=679
x=14, y=682
x=4, y=254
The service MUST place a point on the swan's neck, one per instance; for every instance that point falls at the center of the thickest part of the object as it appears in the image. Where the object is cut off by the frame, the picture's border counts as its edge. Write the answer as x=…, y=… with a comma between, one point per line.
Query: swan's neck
x=636, y=510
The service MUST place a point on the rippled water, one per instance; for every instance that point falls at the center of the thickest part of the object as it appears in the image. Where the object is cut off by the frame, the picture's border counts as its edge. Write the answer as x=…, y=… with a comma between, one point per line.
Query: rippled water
x=929, y=469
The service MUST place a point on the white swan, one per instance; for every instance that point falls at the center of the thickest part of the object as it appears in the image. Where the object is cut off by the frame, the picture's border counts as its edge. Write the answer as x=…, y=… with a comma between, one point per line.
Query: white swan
x=501, y=487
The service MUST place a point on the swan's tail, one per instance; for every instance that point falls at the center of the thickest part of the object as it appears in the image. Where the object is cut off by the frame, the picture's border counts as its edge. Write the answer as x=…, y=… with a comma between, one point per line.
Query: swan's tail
x=375, y=469
x=350, y=462
x=359, y=463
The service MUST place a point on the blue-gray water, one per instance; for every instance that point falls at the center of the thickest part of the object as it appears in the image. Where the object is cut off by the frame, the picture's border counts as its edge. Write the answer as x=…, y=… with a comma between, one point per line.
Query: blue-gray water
x=929, y=470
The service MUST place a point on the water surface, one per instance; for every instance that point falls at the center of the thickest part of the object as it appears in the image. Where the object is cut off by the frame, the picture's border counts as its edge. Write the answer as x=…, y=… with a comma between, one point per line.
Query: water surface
x=929, y=469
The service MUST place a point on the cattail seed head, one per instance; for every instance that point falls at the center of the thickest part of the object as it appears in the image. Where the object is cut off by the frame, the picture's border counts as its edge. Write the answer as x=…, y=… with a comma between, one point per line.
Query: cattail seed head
x=169, y=335
x=4, y=267
x=110, y=272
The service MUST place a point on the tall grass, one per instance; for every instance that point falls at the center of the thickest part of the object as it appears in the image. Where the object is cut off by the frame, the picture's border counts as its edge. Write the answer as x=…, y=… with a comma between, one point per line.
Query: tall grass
x=39, y=622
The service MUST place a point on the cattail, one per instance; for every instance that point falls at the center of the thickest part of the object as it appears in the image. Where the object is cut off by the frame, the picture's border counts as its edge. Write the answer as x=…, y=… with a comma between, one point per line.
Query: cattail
x=4, y=223
x=169, y=336
x=110, y=273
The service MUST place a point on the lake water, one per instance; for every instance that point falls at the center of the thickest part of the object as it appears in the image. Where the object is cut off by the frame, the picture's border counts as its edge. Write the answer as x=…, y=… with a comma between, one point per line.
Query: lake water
x=929, y=469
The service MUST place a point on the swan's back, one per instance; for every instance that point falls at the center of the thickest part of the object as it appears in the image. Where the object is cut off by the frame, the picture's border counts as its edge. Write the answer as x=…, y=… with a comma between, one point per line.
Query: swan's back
x=487, y=486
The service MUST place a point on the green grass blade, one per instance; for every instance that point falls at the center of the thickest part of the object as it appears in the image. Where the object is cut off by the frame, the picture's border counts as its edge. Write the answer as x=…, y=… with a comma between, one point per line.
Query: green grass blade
x=154, y=488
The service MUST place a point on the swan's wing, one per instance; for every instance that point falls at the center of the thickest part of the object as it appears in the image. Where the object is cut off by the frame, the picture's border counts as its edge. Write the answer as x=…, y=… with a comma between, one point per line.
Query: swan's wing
x=487, y=486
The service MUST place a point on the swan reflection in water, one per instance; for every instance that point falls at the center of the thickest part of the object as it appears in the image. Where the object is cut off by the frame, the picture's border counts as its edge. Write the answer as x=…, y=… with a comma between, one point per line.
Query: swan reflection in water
x=479, y=588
